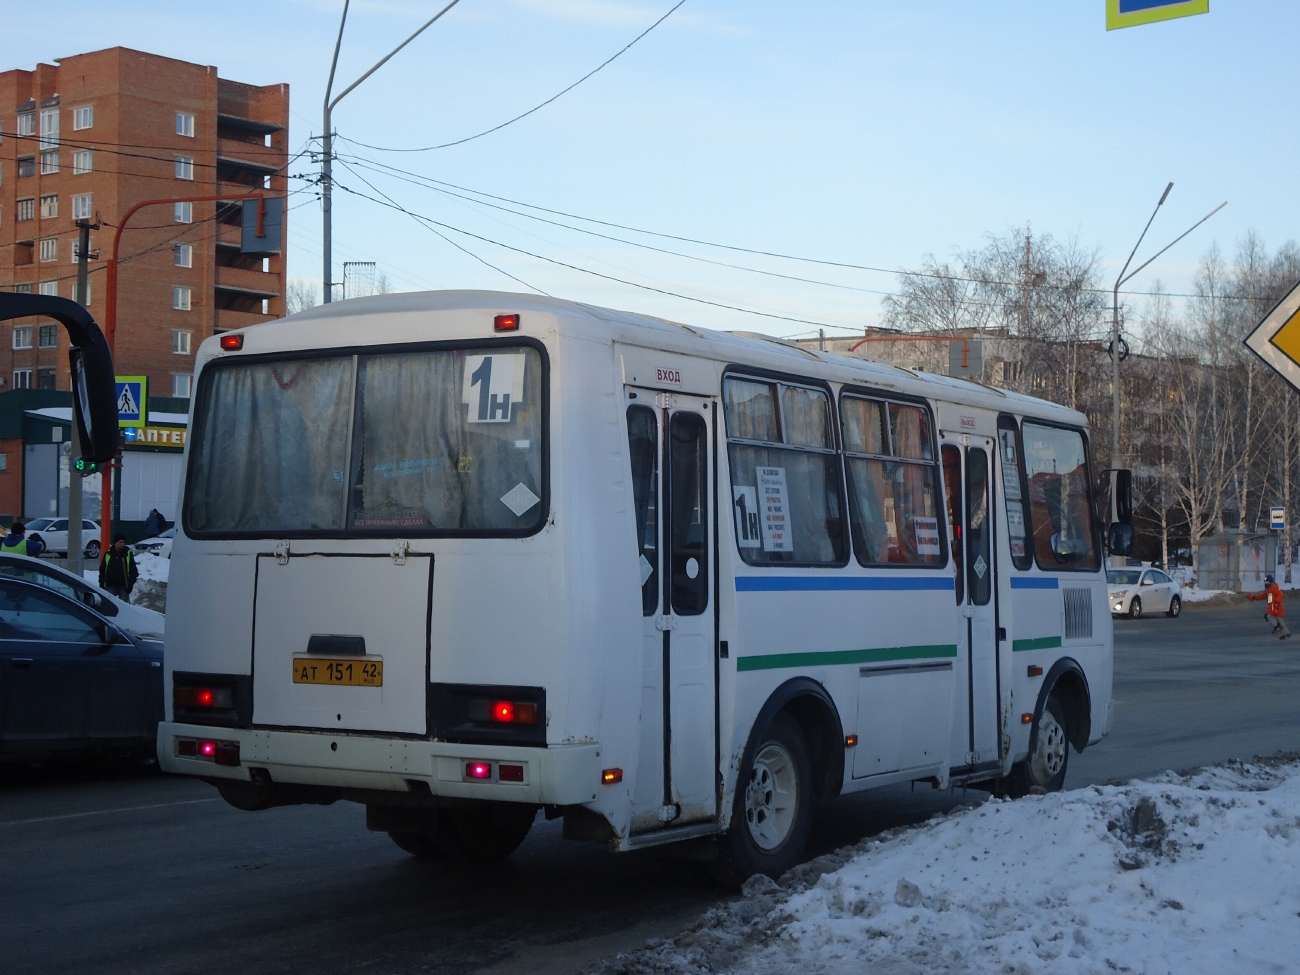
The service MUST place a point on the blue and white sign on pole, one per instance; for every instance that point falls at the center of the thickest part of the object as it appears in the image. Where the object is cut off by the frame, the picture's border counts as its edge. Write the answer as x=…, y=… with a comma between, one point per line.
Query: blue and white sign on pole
x=1277, y=519
x=132, y=397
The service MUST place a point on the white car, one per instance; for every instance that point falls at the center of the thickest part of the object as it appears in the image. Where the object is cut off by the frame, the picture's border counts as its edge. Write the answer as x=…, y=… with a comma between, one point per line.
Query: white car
x=1131, y=592
x=135, y=620
x=158, y=545
x=54, y=533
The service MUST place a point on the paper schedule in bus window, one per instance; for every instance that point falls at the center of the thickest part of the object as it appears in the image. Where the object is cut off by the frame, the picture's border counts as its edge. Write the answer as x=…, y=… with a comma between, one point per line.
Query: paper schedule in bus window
x=776, y=512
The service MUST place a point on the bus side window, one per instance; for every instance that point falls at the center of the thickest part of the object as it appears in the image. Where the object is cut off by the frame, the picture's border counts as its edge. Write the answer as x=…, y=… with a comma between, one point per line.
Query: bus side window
x=952, y=492
x=643, y=445
x=1013, y=478
x=1064, y=534
x=688, y=513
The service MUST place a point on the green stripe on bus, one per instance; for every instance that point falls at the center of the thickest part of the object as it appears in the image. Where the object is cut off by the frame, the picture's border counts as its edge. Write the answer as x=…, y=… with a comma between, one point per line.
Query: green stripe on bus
x=824, y=658
x=1041, y=643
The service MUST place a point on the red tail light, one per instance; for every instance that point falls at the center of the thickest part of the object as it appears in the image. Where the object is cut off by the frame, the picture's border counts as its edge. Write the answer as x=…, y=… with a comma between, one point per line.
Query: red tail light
x=202, y=697
x=506, y=323
x=232, y=343
x=478, y=770
x=514, y=712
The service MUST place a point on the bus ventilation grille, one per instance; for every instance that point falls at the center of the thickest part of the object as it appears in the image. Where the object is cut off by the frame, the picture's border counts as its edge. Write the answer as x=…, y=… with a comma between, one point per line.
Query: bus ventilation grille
x=1078, y=614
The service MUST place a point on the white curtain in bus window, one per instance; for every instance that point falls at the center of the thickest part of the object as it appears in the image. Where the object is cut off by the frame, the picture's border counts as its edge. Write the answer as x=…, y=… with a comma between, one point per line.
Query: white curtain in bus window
x=448, y=441
x=786, y=500
x=893, y=483
x=271, y=448
x=1057, y=466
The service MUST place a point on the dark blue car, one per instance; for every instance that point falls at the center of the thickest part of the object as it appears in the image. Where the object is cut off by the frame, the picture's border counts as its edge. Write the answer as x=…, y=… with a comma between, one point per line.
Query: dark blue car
x=71, y=681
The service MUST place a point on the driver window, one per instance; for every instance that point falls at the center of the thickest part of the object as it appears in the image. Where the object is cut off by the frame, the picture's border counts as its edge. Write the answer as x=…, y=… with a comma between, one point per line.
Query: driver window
x=30, y=614
x=1056, y=463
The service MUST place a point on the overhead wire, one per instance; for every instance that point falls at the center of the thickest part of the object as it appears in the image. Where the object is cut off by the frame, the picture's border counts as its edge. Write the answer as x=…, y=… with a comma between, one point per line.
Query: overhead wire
x=523, y=115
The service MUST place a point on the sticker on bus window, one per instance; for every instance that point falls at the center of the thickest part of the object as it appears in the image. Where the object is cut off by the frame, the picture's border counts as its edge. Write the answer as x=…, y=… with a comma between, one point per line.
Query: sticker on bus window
x=745, y=504
x=519, y=499
x=927, y=535
x=493, y=386
x=1016, y=521
x=775, y=511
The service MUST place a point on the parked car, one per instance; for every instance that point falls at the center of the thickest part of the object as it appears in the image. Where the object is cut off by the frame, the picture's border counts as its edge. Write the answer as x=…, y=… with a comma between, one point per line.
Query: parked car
x=158, y=545
x=71, y=680
x=54, y=532
x=1134, y=591
x=136, y=620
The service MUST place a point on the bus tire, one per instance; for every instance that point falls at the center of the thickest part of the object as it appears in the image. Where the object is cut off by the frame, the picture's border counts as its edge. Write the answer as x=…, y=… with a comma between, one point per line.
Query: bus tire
x=483, y=833
x=772, y=813
x=1044, y=769
x=420, y=845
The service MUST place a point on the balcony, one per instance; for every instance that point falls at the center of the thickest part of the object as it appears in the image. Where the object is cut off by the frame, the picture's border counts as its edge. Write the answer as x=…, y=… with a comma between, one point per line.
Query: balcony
x=249, y=155
x=228, y=318
x=255, y=284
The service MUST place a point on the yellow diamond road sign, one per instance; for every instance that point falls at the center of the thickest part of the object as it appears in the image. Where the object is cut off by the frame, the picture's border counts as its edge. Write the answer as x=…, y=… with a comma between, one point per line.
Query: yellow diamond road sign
x=1276, y=339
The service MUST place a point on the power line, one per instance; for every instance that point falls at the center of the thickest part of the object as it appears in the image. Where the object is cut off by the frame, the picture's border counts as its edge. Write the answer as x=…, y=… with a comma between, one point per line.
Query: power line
x=497, y=128
x=583, y=270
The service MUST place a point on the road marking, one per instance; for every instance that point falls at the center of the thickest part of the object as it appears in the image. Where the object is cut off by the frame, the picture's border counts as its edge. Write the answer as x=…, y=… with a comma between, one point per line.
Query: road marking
x=107, y=812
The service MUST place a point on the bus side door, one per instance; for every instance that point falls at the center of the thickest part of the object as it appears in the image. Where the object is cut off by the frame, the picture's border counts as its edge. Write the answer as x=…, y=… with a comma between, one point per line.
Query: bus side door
x=672, y=450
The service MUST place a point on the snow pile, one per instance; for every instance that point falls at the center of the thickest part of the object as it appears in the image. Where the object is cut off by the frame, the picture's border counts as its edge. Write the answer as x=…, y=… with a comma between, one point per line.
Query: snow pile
x=1202, y=595
x=152, y=568
x=1198, y=873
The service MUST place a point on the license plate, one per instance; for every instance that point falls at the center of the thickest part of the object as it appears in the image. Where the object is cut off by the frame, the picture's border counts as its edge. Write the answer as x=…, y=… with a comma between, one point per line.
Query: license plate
x=357, y=672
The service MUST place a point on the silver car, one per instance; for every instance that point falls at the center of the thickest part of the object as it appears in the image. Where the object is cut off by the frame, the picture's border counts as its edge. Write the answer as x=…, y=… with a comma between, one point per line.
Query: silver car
x=1131, y=592
x=135, y=620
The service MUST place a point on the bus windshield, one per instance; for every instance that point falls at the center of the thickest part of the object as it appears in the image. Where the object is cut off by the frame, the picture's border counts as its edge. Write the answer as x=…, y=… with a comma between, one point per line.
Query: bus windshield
x=424, y=441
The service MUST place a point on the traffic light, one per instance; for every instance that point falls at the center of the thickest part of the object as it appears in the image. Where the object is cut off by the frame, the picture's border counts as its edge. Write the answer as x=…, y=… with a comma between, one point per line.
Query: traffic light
x=86, y=467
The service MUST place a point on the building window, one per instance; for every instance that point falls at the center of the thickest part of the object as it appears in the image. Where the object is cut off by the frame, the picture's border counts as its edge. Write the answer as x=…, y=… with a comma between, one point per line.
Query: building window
x=184, y=213
x=49, y=163
x=22, y=379
x=181, y=298
x=181, y=385
x=46, y=378
x=22, y=336
x=49, y=287
x=48, y=337
x=81, y=206
x=49, y=248
x=83, y=117
x=24, y=289
x=26, y=209
x=26, y=166
x=180, y=341
x=27, y=123
x=183, y=255
x=185, y=124
x=184, y=167
x=49, y=206
x=81, y=162
x=50, y=128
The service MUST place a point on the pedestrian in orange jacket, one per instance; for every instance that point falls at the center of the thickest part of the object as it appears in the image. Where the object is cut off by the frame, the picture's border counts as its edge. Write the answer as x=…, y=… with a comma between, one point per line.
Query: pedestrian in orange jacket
x=1273, y=612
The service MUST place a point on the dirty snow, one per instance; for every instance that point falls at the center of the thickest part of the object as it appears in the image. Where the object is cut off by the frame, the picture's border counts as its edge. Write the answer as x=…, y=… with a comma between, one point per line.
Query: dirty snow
x=1202, y=595
x=1193, y=874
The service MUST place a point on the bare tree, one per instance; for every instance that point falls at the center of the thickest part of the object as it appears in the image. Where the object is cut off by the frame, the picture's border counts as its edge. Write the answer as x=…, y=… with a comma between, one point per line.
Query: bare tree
x=300, y=295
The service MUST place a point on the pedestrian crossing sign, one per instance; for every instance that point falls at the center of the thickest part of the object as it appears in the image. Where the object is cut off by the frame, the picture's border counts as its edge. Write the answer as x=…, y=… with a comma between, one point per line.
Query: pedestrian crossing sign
x=132, y=399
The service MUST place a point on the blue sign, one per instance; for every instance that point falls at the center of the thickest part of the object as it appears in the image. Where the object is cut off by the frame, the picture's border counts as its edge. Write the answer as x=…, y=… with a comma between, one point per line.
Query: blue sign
x=1277, y=518
x=132, y=400
x=1131, y=13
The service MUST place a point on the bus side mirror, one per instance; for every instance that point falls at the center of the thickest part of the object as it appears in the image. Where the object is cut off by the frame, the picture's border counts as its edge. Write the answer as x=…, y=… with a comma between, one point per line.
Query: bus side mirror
x=1119, y=540
x=1121, y=496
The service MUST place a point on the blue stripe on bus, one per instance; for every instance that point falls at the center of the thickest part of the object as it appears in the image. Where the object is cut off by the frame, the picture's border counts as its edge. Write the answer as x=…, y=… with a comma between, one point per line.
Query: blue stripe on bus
x=1033, y=582
x=843, y=584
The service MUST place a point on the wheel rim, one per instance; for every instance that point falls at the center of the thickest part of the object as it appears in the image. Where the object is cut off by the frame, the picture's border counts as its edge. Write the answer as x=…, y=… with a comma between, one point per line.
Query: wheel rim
x=771, y=798
x=1135, y=608
x=1175, y=606
x=1049, y=755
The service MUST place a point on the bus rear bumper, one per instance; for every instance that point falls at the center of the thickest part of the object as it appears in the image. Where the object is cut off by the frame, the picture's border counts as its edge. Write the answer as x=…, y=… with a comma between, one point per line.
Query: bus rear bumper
x=560, y=775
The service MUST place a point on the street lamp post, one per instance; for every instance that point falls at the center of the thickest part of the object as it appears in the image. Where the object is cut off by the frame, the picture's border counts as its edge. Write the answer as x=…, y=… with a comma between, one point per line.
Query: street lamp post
x=327, y=142
x=1114, y=325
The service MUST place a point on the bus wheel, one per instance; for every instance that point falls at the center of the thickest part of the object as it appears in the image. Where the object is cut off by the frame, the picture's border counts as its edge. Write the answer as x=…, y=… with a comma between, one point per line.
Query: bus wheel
x=420, y=845
x=1044, y=769
x=773, y=808
x=490, y=832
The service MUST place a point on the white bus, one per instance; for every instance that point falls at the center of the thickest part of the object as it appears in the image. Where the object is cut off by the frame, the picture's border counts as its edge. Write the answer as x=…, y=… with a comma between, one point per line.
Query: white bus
x=465, y=556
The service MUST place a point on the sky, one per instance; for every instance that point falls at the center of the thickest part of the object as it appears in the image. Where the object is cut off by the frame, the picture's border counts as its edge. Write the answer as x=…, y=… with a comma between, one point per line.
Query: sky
x=1195, y=874
x=867, y=133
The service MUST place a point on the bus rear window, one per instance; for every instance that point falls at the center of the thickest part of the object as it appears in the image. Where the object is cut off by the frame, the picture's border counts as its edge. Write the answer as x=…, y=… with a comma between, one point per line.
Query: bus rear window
x=390, y=443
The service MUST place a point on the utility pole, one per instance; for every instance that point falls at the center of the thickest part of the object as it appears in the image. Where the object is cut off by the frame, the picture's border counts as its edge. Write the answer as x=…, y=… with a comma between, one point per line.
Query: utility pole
x=75, y=547
x=327, y=145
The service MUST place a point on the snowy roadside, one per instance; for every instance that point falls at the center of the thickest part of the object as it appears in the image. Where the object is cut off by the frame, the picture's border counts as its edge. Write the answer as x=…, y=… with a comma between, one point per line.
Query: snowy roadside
x=1186, y=873
x=151, y=589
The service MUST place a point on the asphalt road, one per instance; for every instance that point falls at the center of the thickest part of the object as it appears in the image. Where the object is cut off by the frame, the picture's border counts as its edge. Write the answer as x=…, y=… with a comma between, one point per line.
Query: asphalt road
x=119, y=871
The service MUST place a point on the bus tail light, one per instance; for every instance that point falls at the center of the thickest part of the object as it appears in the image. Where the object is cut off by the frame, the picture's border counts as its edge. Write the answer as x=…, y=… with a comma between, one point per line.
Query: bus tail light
x=514, y=712
x=221, y=700
x=202, y=697
x=611, y=776
x=232, y=342
x=505, y=323
x=510, y=773
x=488, y=714
x=208, y=750
x=478, y=770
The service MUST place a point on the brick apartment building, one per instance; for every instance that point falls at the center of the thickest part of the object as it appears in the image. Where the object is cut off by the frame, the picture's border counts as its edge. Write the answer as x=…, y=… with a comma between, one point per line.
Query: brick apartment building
x=94, y=134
